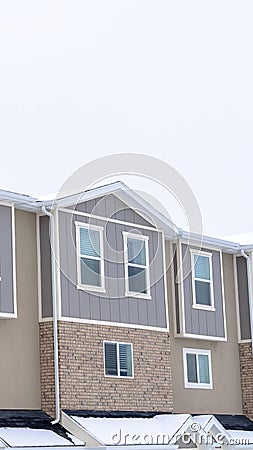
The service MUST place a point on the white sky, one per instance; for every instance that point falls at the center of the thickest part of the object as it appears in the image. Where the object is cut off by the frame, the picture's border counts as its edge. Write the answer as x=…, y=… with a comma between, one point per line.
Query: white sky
x=173, y=79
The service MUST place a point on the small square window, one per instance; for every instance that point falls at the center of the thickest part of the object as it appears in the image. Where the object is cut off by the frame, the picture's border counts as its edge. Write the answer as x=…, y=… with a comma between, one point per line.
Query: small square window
x=202, y=281
x=197, y=368
x=118, y=359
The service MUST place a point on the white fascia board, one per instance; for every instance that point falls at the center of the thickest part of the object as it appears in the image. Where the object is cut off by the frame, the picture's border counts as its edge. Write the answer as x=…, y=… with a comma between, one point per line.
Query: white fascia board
x=212, y=423
x=20, y=201
x=228, y=246
x=132, y=199
x=125, y=194
x=247, y=248
x=84, y=196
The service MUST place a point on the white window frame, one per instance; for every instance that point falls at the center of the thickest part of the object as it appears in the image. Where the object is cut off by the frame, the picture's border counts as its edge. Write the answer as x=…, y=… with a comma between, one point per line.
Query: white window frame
x=118, y=359
x=194, y=300
x=197, y=385
x=101, y=258
x=139, y=237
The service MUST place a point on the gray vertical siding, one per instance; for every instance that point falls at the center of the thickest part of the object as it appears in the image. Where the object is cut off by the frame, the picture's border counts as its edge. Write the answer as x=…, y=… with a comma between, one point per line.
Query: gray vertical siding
x=197, y=321
x=45, y=268
x=113, y=306
x=243, y=297
x=175, y=270
x=112, y=207
x=6, y=261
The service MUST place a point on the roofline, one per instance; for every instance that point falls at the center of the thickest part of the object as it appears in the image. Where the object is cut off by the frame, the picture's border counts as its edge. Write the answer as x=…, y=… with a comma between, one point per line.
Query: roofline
x=229, y=246
x=32, y=204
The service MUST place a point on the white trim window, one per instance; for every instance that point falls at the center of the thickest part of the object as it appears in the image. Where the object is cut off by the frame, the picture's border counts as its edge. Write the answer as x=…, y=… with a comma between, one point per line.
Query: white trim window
x=90, y=260
x=118, y=359
x=202, y=280
x=137, y=277
x=197, y=368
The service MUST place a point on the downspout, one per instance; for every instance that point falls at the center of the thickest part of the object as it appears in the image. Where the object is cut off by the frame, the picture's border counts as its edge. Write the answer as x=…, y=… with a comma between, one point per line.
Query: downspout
x=249, y=277
x=54, y=298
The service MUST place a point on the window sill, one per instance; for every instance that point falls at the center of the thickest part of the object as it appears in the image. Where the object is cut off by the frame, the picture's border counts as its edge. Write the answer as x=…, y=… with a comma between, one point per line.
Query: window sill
x=119, y=377
x=204, y=308
x=198, y=386
x=86, y=288
x=138, y=295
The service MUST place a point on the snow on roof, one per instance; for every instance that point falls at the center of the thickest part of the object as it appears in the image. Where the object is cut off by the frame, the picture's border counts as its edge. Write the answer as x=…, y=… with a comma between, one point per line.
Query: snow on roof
x=125, y=431
x=203, y=420
x=21, y=437
x=241, y=437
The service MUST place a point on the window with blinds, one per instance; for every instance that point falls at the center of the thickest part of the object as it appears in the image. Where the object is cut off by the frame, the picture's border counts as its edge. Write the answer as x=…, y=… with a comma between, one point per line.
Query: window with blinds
x=136, y=264
x=118, y=359
x=197, y=368
x=90, y=261
x=202, y=280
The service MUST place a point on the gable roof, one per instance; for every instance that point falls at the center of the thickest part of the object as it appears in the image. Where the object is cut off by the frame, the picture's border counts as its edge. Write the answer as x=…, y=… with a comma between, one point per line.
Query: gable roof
x=131, y=428
x=235, y=422
x=131, y=198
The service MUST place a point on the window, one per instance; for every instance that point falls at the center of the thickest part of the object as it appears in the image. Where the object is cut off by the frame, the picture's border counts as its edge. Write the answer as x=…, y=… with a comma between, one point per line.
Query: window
x=90, y=257
x=197, y=368
x=136, y=265
x=202, y=280
x=118, y=359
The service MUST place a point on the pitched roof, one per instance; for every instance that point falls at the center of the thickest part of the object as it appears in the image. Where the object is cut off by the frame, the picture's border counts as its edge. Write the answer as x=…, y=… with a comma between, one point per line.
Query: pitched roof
x=30, y=419
x=235, y=422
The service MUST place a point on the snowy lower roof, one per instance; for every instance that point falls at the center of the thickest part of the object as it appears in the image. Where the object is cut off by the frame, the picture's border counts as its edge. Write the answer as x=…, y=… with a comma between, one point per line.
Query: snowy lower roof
x=133, y=430
x=32, y=428
x=21, y=437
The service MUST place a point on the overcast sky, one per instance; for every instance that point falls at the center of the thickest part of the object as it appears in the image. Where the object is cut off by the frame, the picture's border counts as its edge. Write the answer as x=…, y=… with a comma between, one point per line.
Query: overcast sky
x=172, y=79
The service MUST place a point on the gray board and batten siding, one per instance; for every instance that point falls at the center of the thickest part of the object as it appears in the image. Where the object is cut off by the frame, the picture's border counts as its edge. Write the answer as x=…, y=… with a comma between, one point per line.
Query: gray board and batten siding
x=7, y=295
x=199, y=321
x=112, y=207
x=113, y=305
x=243, y=297
x=45, y=268
x=176, y=289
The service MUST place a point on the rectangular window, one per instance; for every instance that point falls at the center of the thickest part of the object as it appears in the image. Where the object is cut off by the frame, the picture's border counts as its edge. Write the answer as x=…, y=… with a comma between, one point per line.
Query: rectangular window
x=197, y=368
x=202, y=280
x=118, y=359
x=90, y=257
x=136, y=265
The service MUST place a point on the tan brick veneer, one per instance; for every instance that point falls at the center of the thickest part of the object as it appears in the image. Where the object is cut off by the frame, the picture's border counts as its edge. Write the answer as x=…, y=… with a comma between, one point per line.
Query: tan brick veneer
x=246, y=363
x=81, y=365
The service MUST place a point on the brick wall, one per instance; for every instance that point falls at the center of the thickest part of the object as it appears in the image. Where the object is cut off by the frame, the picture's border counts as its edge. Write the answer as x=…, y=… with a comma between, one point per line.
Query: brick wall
x=246, y=363
x=47, y=368
x=82, y=381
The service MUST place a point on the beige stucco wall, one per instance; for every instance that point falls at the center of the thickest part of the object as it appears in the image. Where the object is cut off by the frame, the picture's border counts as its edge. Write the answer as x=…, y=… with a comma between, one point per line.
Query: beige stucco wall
x=19, y=338
x=225, y=397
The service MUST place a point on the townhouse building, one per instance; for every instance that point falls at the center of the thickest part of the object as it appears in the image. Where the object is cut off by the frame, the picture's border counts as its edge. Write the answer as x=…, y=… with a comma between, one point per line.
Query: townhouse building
x=106, y=305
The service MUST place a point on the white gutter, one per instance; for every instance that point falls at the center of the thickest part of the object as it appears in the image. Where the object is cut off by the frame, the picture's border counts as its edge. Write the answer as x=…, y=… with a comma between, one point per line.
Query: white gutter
x=231, y=247
x=249, y=277
x=54, y=297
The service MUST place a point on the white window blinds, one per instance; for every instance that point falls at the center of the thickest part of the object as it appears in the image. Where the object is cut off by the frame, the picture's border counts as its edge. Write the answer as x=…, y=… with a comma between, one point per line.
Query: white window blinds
x=202, y=279
x=90, y=256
